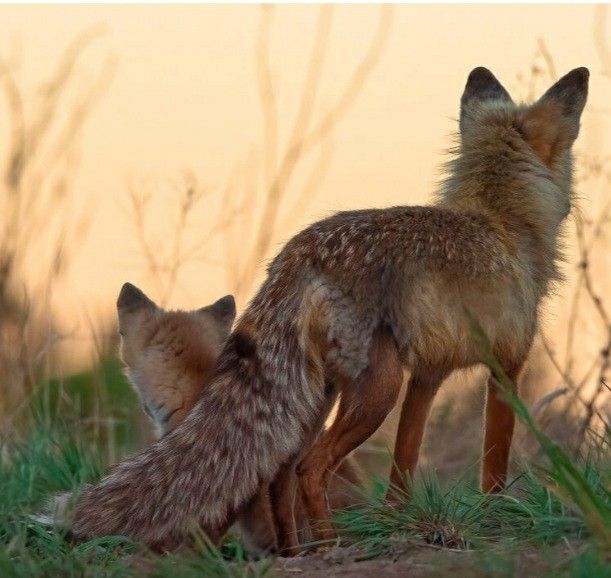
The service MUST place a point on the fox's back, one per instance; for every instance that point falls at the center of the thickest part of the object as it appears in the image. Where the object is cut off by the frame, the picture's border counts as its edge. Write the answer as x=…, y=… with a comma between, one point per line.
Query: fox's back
x=414, y=269
x=353, y=243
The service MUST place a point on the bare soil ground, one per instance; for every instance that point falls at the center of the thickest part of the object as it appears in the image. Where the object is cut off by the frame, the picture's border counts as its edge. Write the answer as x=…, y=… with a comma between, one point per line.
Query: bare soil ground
x=420, y=561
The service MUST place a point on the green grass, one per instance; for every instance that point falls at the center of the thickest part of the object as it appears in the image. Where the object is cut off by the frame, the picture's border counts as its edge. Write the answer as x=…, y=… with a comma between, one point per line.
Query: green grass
x=561, y=501
x=101, y=398
x=565, y=477
x=52, y=461
x=460, y=517
x=454, y=517
x=59, y=449
x=543, y=511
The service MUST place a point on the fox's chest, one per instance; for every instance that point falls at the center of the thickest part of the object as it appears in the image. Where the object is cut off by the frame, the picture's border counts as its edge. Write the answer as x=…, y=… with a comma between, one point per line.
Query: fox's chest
x=436, y=324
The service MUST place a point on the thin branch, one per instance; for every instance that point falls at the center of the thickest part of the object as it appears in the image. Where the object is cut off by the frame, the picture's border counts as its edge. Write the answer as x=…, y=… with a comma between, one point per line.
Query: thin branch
x=600, y=39
x=547, y=57
x=305, y=133
x=357, y=82
x=267, y=94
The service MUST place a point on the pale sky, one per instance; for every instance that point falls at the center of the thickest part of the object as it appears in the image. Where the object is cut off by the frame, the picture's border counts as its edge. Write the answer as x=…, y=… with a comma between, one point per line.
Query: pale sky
x=184, y=97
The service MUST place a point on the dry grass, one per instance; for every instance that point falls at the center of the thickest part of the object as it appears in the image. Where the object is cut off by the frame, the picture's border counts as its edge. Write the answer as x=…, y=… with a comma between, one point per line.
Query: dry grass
x=37, y=222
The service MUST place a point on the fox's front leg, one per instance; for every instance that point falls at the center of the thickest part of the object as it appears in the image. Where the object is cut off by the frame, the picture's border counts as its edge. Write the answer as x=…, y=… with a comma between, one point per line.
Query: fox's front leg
x=421, y=389
x=499, y=426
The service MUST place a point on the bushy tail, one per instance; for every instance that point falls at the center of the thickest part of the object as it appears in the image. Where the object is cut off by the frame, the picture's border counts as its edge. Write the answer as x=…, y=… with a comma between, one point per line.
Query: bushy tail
x=250, y=419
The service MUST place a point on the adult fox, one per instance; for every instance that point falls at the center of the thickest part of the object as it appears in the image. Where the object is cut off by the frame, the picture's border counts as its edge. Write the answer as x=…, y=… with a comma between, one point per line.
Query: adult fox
x=169, y=357
x=350, y=301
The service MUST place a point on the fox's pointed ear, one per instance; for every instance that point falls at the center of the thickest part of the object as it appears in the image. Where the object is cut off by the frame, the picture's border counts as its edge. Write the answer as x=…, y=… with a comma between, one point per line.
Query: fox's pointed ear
x=569, y=95
x=130, y=300
x=223, y=311
x=481, y=85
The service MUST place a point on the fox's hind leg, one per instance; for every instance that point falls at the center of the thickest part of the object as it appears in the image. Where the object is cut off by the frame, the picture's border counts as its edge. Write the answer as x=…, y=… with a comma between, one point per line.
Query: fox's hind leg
x=500, y=421
x=364, y=404
x=257, y=524
x=421, y=389
x=283, y=493
x=290, y=518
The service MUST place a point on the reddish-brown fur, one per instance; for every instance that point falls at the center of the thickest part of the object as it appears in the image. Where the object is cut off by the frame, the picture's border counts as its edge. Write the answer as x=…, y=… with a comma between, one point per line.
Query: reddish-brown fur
x=363, y=407
x=419, y=396
x=347, y=302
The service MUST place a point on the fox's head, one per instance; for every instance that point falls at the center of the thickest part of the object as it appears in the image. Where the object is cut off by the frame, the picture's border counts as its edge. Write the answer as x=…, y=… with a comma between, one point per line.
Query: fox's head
x=517, y=157
x=170, y=355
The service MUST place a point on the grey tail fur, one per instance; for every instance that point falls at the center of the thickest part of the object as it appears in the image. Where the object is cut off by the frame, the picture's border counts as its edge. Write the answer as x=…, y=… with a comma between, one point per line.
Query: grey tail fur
x=252, y=417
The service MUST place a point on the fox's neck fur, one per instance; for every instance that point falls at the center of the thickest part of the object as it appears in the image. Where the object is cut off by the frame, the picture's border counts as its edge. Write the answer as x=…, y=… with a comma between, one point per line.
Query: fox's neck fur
x=497, y=180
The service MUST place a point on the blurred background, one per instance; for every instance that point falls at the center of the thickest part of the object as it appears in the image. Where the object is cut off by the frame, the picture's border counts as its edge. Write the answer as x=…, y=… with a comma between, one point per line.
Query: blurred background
x=178, y=147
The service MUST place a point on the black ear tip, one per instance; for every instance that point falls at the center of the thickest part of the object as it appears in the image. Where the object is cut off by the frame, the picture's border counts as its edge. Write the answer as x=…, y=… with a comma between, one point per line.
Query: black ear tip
x=128, y=287
x=483, y=85
x=130, y=297
x=581, y=74
x=480, y=74
x=226, y=305
x=224, y=309
x=571, y=91
x=578, y=77
x=481, y=79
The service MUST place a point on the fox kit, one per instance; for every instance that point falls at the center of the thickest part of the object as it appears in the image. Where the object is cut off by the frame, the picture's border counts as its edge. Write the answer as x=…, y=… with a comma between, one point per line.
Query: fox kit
x=169, y=357
x=347, y=304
